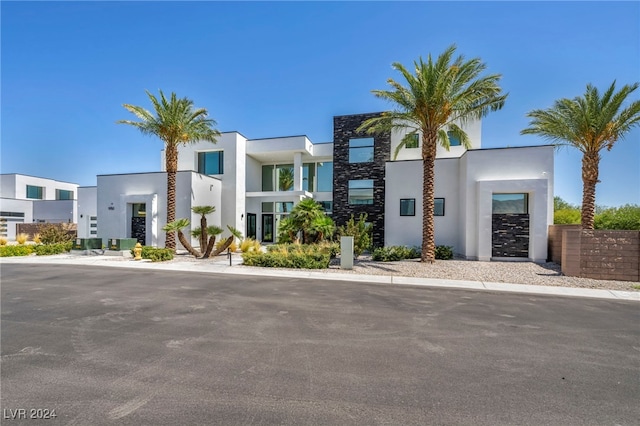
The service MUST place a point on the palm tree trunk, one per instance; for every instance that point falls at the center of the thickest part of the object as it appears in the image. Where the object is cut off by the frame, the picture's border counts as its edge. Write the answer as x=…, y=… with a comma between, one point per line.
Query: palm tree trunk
x=429, y=142
x=210, y=246
x=172, y=167
x=186, y=245
x=590, y=164
x=203, y=233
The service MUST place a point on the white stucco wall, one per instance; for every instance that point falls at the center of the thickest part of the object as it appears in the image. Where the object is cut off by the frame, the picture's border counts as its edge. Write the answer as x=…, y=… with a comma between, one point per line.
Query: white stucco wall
x=15, y=185
x=404, y=180
x=55, y=211
x=16, y=206
x=116, y=193
x=87, y=208
x=8, y=186
x=467, y=185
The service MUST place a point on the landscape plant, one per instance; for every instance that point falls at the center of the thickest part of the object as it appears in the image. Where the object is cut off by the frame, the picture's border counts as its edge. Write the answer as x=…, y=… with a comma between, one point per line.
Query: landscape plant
x=16, y=250
x=55, y=233
x=589, y=123
x=3, y=241
x=175, y=121
x=435, y=99
x=307, y=219
x=298, y=256
x=22, y=238
x=360, y=231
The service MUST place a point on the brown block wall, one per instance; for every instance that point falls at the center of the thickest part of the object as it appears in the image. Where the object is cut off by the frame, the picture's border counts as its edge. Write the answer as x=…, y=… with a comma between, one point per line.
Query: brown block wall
x=35, y=228
x=601, y=254
x=555, y=242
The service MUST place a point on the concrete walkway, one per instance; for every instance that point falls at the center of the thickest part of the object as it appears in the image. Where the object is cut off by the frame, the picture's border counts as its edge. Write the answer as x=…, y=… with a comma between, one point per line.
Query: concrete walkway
x=221, y=265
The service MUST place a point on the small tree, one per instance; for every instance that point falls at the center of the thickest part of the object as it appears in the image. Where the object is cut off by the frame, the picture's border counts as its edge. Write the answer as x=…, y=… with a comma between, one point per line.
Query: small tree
x=179, y=225
x=201, y=232
x=360, y=231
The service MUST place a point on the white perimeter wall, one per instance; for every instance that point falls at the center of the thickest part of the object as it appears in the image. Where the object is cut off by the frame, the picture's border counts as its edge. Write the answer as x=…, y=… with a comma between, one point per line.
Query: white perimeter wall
x=87, y=207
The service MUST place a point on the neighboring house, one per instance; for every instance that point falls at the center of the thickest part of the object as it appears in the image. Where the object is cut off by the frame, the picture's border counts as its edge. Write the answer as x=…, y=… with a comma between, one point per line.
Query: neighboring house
x=490, y=203
x=30, y=199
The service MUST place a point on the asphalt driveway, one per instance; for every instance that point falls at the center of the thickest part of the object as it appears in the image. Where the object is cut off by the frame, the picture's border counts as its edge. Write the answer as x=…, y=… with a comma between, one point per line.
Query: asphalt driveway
x=117, y=346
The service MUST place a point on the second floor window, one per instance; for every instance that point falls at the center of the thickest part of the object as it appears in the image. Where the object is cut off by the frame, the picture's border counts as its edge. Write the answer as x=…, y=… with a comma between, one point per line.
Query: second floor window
x=62, y=194
x=34, y=192
x=211, y=163
x=361, y=150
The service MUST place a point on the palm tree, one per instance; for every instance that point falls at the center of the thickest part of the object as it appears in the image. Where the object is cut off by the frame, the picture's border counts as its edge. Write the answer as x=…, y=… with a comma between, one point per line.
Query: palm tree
x=436, y=98
x=201, y=232
x=589, y=123
x=175, y=121
x=179, y=225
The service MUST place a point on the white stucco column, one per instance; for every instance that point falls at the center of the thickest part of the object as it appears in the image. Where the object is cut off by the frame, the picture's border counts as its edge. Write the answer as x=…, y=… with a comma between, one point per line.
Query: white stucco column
x=297, y=171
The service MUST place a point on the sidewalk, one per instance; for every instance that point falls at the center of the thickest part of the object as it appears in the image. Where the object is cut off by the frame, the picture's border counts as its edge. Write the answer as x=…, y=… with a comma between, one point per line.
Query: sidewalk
x=220, y=265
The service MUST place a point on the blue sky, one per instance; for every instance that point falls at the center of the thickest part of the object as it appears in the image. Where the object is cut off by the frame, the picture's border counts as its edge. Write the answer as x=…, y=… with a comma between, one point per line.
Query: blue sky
x=275, y=69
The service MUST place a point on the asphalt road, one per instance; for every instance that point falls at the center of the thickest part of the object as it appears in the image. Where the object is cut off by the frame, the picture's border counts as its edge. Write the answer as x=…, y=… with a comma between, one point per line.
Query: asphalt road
x=112, y=346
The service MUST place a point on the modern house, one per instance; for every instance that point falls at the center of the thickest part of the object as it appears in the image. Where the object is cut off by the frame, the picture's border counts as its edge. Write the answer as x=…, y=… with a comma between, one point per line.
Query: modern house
x=30, y=199
x=490, y=203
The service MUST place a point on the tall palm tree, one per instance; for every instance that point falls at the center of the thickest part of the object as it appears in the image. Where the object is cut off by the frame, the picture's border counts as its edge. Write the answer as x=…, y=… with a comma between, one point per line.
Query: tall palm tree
x=175, y=121
x=437, y=97
x=588, y=123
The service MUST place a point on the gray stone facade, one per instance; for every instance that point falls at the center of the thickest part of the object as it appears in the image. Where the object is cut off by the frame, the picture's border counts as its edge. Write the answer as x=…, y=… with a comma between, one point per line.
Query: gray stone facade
x=344, y=128
x=510, y=235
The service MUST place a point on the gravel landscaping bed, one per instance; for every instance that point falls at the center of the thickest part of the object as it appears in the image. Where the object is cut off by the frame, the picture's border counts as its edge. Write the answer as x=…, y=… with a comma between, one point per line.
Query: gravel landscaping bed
x=548, y=274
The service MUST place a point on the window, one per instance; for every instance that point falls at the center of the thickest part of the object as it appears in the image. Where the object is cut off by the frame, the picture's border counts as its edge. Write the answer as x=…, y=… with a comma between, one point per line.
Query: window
x=413, y=141
x=267, y=207
x=284, y=174
x=361, y=150
x=284, y=206
x=327, y=206
x=438, y=207
x=12, y=214
x=361, y=191
x=309, y=177
x=211, y=163
x=408, y=207
x=34, y=192
x=453, y=141
x=62, y=194
x=510, y=203
x=324, y=176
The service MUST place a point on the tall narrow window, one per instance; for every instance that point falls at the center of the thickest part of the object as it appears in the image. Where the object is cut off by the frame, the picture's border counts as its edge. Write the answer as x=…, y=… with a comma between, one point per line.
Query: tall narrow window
x=309, y=177
x=211, y=163
x=361, y=150
x=438, y=207
x=34, y=192
x=267, y=178
x=361, y=191
x=325, y=177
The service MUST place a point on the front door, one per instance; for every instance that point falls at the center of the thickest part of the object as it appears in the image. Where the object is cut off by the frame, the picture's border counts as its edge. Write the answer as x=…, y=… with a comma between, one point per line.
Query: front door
x=251, y=225
x=139, y=222
x=267, y=228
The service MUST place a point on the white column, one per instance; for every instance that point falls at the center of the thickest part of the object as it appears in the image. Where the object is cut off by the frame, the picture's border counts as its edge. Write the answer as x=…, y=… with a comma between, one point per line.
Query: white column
x=297, y=171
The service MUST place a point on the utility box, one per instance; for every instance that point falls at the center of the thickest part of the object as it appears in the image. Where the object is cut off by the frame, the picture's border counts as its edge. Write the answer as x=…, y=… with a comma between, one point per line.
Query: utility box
x=346, y=252
x=87, y=243
x=120, y=244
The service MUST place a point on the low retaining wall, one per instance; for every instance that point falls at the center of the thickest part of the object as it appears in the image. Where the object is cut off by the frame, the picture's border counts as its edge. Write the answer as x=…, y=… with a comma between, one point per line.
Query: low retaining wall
x=601, y=254
x=35, y=228
x=554, y=243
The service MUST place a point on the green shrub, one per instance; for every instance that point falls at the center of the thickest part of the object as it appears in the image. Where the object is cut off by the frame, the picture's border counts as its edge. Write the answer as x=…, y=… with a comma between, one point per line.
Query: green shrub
x=49, y=249
x=300, y=256
x=566, y=217
x=54, y=233
x=17, y=250
x=360, y=231
x=444, y=252
x=155, y=254
x=625, y=217
x=394, y=253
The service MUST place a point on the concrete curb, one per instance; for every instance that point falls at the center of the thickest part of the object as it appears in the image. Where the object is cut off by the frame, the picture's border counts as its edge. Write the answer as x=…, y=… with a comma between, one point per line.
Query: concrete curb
x=223, y=268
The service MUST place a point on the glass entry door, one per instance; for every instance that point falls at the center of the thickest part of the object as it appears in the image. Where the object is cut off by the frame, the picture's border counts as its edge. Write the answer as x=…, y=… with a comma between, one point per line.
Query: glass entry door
x=267, y=228
x=251, y=225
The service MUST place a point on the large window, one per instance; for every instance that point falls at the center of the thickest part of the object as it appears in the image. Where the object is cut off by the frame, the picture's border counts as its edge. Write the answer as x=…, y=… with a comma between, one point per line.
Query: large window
x=278, y=176
x=62, y=194
x=510, y=203
x=308, y=177
x=408, y=207
x=453, y=141
x=361, y=150
x=324, y=175
x=211, y=163
x=34, y=192
x=361, y=191
x=316, y=177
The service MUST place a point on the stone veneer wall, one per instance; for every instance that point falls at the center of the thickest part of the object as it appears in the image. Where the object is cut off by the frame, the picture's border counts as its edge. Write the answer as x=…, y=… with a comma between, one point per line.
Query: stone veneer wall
x=601, y=254
x=344, y=128
x=554, y=243
x=35, y=228
x=510, y=235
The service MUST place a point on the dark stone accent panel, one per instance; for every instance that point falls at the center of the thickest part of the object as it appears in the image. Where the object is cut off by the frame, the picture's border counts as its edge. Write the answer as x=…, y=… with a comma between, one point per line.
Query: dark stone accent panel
x=510, y=235
x=138, y=229
x=344, y=128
